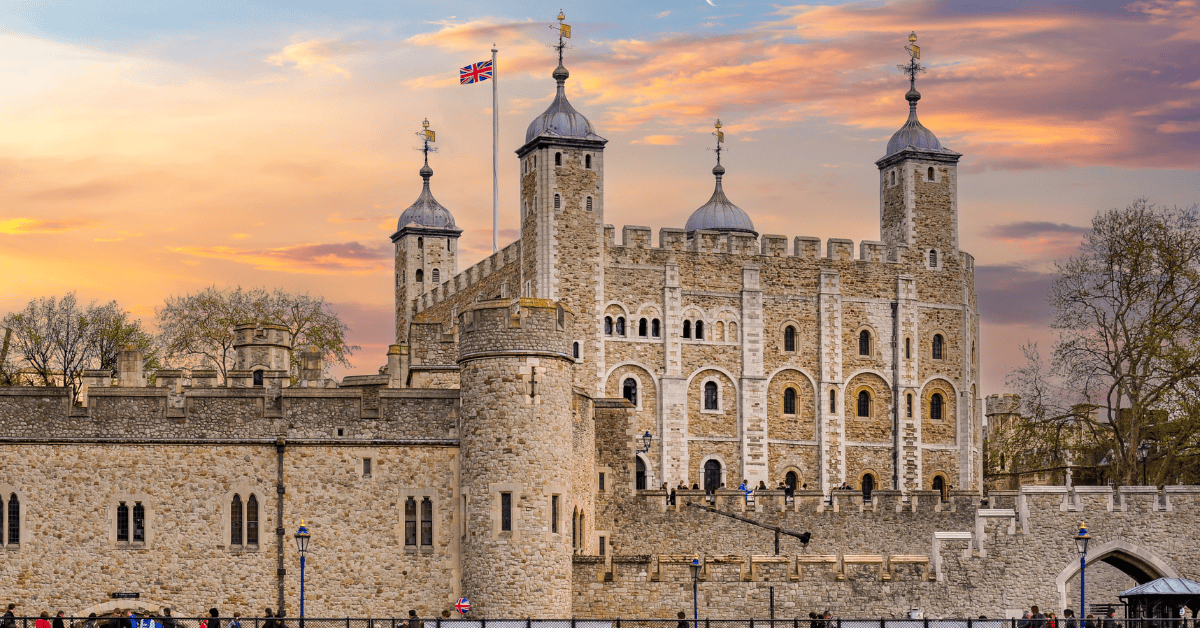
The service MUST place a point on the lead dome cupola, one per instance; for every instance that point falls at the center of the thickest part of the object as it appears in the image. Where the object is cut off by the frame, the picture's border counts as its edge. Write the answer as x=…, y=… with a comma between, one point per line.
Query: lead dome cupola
x=719, y=213
x=561, y=120
x=426, y=212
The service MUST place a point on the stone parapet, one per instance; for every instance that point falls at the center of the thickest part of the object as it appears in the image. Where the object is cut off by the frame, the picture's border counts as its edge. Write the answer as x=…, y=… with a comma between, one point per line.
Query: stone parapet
x=513, y=326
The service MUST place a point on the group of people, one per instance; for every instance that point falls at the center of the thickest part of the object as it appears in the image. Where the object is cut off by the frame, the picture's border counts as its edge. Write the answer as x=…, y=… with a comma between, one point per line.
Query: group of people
x=1034, y=618
x=128, y=619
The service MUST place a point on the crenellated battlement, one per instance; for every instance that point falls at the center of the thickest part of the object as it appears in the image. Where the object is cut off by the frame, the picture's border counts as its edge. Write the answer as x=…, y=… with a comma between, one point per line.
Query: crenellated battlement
x=473, y=277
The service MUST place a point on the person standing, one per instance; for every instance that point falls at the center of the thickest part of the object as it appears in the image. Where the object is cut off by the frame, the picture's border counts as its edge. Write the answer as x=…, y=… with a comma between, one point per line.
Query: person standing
x=236, y=622
x=167, y=620
x=213, y=618
x=1069, y=619
x=268, y=619
x=682, y=620
x=413, y=620
x=9, y=620
x=58, y=620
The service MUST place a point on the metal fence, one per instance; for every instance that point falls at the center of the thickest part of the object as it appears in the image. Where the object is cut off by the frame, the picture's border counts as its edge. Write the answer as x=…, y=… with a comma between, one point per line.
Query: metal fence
x=401, y=622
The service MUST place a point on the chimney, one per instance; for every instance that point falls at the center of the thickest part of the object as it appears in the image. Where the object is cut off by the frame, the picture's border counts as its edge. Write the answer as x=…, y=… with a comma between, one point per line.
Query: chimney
x=311, y=370
x=129, y=368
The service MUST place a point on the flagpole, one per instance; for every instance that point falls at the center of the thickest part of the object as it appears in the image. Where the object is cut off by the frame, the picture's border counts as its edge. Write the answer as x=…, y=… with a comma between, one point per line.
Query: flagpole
x=495, y=158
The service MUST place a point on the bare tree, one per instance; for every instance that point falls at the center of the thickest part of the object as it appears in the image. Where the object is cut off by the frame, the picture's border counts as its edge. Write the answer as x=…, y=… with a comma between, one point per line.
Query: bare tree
x=1127, y=312
x=55, y=338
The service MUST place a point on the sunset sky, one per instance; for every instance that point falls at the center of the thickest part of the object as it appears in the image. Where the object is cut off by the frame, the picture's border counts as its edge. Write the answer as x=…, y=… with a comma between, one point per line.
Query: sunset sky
x=151, y=148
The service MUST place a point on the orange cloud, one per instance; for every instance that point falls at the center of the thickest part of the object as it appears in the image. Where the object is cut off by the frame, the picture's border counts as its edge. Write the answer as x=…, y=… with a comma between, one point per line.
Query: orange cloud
x=314, y=56
x=24, y=226
x=658, y=140
x=348, y=257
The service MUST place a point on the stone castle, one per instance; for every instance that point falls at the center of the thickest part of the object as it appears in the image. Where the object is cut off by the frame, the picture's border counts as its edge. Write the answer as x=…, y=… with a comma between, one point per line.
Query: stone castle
x=514, y=449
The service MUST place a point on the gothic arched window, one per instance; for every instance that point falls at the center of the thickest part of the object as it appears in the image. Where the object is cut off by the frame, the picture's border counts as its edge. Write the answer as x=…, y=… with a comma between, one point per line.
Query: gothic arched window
x=699, y=330
x=122, y=523
x=687, y=329
x=710, y=395
x=864, y=403
x=937, y=346
x=654, y=330
x=864, y=342
x=139, y=523
x=437, y=276
x=426, y=522
x=251, y=520
x=642, y=328
x=789, y=338
x=608, y=325
x=935, y=407
x=629, y=390
x=410, y=522
x=235, y=520
x=789, y=401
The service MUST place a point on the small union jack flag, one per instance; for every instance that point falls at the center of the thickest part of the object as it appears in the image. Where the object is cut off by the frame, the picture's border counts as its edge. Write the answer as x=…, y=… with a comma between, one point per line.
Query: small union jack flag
x=475, y=72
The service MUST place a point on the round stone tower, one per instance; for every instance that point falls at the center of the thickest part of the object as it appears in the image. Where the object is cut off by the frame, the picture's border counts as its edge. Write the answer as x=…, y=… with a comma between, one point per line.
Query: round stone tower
x=516, y=450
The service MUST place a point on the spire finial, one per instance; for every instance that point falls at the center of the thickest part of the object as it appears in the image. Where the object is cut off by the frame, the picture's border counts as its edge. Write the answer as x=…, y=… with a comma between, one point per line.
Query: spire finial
x=564, y=32
x=427, y=137
x=718, y=170
x=912, y=68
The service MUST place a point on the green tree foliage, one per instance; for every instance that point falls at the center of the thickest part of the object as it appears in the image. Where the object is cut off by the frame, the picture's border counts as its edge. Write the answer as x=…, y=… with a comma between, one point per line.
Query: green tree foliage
x=1125, y=367
x=197, y=329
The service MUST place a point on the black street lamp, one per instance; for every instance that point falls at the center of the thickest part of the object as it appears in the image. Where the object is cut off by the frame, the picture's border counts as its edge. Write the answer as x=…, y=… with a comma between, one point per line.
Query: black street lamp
x=1144, y=453
x=646, y=438
x=302, y=538
x=1081, y=542
x=695, y=588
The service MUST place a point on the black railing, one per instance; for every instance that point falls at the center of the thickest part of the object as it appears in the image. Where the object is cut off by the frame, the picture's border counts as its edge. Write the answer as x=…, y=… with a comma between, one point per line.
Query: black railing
x=479, y=622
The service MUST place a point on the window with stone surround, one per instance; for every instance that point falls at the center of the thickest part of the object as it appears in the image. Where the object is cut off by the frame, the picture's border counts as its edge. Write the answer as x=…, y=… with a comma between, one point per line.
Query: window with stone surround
x=506, y=512
x=699, y=330
x=122, y=523
x=711, y=396
x=908, y=348
x=235, y=520
x=832, y=400
x=629, y=390
x=893, y=177
x=933, y=258
x=654, y=328
x=437, y=276
x=410, y=522
x=909, y=405
x=687, y=329
x=557, y=160
x=420, y=276
x=252, y=520
x=620, y=325
x=639, y=474
x=139, y=523
x=557, y=202
x=587, y=163
x=929, y=175
x=642, y=327
x=554, y=514
x=939, y=485
x=733, y=335
x=608, y=325
x=789, y=401
x=589, y=203
x=575, y=349
x=864, y=343
x=935, y=407
x=936, y=348
x=864, y=404
x=868, y=485
x=13, y=521
x=426, y=522
x=789, y=338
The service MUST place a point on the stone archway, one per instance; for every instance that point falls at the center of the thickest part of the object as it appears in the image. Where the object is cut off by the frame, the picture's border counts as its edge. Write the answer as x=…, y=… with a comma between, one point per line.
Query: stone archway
x=1135, y=561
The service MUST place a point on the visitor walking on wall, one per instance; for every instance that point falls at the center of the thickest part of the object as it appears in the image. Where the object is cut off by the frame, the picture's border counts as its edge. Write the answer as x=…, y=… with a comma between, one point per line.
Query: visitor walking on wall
x=9, y=619
x=167, y=620
x=682, y=620
x=213, y=621
x=268, y=619
x=1070, y=621
x=43, y=620
x=236, y=622
x=58, y=620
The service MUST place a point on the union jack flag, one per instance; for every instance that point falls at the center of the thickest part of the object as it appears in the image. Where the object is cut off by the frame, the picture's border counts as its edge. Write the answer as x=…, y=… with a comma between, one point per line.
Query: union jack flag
x=475, y=72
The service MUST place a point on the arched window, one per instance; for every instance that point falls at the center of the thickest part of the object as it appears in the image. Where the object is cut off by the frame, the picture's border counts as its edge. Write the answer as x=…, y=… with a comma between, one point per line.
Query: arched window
x=587, y=163
x=1002, y=461
x=251, y=520
x=420, y=276
x=733, y=332
x=893, y=177
x=14, y=520
x=832, y=400
x=557, y=201
x=608, y=325
x=930, y=173
x=437, y=276
x=122, y=523
x=935, y=407
x=939, y=485
x=620, y=325
x=789, y=401
x=718, y=331
x=699, y=330
x=789, y=338
x=868, y=485
x=589, y=203
x=575, y=349
x=629, y=390
x=410, y=522
x=557, y=159
x=642, y=328
x=790, y=480
x=933, y=258
x=639, y=474
x=710, y=395
x=575, y=528
x=712, y=476
x=864, y=403
x=910, y=405
x=139, y=523
x=937, y=346
x=426, y=522
x=420, y=242
x=235, y=520
x=864, y=342
x=687, y=329
x=907, y=348
x=654, y=331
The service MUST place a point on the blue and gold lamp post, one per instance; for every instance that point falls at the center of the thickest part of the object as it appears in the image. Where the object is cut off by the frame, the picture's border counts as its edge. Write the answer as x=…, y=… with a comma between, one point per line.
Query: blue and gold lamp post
x=302, y=537
x=1081, y=542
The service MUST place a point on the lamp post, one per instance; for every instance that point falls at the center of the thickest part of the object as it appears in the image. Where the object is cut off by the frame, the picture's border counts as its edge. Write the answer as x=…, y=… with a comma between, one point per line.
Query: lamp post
x=646, y=439
x=695, y=589
x=302, y=537
x=1081, y=542
x=1144, y=453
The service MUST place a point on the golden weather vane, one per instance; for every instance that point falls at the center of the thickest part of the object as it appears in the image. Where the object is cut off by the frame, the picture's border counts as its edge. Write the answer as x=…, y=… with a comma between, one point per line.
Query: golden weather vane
x=564, y=32
x=426, y=136
x=912, y=67
x=720, y=135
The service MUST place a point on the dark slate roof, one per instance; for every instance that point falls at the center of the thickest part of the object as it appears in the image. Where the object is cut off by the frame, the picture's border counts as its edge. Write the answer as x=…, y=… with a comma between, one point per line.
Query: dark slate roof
x=426, y=212
x=561, y=120
x=719, y=213
x=1164, y=586
x=914, y=134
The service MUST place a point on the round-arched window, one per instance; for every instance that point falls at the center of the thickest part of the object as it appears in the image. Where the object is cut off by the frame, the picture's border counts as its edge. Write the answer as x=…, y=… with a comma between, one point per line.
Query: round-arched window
x=710, y=395
x=629, y=390
x=864, y=403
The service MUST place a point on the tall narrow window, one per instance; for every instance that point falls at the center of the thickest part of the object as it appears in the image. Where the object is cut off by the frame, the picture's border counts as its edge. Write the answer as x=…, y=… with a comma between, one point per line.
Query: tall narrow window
x=930, y=173
x=602, y=481
x=933, y=258
x=832, y=401
x=937, y=346
x=557, y=159
x=864, y=342
x=620, y=325
x=789, y=338
x=687, y=329
x=733, y=332
x=712, y=476
x=122, y=523
x=258, y=378
x=789, y=401
x=251, y=520
x=790, y=480
x=699, y=330
x=366, y=467
x=410, y=522
x=589, y=203
x=554, y=514
x=506, y=512
x=642, y=328
x=935, y=407
x=939, y=485
x=557, y=201
x=420, y=276
x=864, y=403
x=14, y=519
x=575, y=350
x=868, y=485
x=909, y=403
x=654, y=329
x=710, y=395
x=235, y=521
x=437, y=276
x=139, y=523
x=893, y=177
x=426, y=522
x=587, y=163
x=575, y=528
x=629, y=390
x=908, y=348
x=602, y=544
x=608, y=325
x=639, y=474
